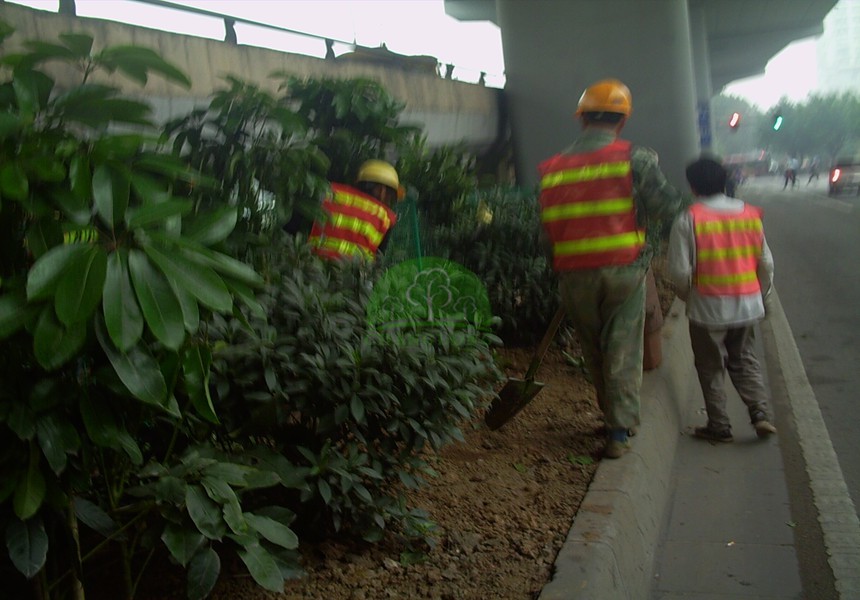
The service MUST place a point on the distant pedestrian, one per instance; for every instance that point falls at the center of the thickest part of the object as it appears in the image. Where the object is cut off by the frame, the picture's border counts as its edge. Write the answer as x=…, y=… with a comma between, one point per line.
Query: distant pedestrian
x=722, y=268
x=813, y=170
x=791, y=172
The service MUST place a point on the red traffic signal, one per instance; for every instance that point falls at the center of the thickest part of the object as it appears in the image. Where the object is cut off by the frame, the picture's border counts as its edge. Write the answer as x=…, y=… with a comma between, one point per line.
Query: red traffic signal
x=735, y=120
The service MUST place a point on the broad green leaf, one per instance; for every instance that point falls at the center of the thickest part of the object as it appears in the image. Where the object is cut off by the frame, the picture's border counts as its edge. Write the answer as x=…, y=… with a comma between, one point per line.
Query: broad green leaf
x=161, y=309
x=13, y=181
x=262, y=567
x=27, y=543
x=213, y=227
x=190, y=309
x=203, y=571
x=183, y=543
x=42, y=235
x=14, y=313
x=9, y=123
x=200, y=281
x=45, y=273
x=247, y=297
x=225, y=265
x=31, y=488
x=157, y=213
x=21, y=420
x=99, y=421
x=81, y=286
x=80, y=176
x=94, y=517
x=196, y=361
x=356, y=407
x=204, y=512
x=272, y=530
x=54, y=344
x=234, y=518
x=79, y=43
x=218, y=489
x=122, y=314
x=77, y=209
x=235, y=475
x=132, y=59
x=148, y=190
x=50, y=438
x=110, y=192
x=137, y=370
x=325, y=490
x=170, y=166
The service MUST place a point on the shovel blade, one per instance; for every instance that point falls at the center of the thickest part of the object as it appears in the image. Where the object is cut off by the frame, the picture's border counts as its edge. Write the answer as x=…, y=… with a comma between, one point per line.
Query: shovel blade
x=513, y=397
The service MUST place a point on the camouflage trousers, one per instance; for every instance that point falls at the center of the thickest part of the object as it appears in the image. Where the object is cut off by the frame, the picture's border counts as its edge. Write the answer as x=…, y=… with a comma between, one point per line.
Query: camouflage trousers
x=607, y=308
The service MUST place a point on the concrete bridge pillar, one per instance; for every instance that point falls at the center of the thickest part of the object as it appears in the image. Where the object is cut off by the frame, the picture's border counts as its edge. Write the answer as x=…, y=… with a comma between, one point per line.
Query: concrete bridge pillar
x=554, y=49
x=702, y=73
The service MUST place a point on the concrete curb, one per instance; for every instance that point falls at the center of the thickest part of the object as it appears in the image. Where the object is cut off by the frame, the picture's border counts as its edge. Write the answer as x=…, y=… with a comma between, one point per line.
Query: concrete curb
x=609, y=551
x=836, y=512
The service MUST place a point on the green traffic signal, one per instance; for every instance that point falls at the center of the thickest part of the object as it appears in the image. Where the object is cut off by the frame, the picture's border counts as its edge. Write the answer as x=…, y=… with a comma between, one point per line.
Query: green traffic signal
x=777, y=122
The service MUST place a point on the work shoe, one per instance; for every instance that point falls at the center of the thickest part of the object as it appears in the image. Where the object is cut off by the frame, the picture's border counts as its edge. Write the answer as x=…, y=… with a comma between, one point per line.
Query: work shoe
x=763, y=428
x=617, y=444
x=713, y=435
x=616, y=448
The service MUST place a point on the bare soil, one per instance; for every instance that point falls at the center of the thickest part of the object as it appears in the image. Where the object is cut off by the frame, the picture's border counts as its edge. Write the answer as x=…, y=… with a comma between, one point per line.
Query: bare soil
x=504, y=502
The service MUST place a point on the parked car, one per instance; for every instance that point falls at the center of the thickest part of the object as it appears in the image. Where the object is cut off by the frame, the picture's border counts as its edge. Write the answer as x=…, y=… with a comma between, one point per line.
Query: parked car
x=845, y=172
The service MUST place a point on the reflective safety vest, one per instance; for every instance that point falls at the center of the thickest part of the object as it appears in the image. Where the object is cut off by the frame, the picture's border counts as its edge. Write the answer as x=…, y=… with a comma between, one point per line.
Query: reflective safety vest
x=587, y=208
x=728, y=248
x=356, y=224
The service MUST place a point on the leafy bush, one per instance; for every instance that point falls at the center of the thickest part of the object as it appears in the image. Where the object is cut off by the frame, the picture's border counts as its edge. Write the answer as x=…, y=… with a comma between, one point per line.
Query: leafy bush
x=356, y=406
x=496, y=235
x=106, y=418
x=256, y=148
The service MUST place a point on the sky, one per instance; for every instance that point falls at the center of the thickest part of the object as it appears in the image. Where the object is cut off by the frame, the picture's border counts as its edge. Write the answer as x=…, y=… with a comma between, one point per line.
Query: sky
x=412, y=27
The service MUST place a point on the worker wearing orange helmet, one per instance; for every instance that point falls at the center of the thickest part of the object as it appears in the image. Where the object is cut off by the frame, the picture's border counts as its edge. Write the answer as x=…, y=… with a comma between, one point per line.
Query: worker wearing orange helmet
x=360, y=216
x=598, y=197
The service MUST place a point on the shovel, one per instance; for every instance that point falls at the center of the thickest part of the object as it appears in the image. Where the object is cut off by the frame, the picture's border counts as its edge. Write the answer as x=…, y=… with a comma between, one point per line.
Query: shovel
x=516, y=393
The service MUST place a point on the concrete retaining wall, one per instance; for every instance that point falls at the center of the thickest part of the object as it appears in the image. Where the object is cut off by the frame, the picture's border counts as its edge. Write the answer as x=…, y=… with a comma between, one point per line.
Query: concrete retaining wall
x=448, y=111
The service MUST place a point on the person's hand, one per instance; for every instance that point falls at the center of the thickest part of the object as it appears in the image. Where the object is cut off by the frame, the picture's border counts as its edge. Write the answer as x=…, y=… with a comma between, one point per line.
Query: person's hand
x=768, y=304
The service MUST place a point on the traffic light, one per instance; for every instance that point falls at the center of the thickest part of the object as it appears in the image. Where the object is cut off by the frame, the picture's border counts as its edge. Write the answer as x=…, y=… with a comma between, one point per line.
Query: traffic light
x=777, y=121
x=735, y=121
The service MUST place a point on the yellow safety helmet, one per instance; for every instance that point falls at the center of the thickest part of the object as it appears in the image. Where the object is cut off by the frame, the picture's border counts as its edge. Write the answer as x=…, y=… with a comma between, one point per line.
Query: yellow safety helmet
x=379, y=171
x=607, y=95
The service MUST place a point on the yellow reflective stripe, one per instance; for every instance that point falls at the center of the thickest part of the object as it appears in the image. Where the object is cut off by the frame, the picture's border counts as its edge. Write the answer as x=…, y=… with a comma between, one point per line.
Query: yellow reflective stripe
x=575, y=210
x=722, y=253
x=726, y=226
x=586, y=173
x=364, y=204
x=746, y=277
x=356, y=225
x=342, y=247
x=87, y=234
x=599, y=244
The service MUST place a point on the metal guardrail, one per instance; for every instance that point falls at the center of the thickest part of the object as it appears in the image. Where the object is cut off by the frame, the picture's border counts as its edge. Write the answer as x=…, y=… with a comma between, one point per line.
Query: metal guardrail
x=446, y=71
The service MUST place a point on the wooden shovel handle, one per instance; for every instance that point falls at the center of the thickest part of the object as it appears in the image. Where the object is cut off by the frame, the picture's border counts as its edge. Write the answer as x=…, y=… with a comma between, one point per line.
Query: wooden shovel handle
x=544, y=343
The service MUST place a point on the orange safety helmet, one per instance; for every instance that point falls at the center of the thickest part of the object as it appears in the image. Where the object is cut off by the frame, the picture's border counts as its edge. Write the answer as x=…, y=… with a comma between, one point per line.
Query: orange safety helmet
x=607, y=95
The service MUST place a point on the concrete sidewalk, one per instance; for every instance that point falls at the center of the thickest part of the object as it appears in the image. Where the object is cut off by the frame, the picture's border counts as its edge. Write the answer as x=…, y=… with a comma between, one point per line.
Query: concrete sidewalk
x=678, y=518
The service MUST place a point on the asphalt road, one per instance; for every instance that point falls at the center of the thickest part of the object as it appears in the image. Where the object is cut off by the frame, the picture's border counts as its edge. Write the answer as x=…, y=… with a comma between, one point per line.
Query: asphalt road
x=815, y=240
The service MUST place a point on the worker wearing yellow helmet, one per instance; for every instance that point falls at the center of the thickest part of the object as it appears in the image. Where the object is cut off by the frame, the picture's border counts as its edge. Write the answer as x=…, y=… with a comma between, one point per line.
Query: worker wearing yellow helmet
x=596, y=197
x=359, y=216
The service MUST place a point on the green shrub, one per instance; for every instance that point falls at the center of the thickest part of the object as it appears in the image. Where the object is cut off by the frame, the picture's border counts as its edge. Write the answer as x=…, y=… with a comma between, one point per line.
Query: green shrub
x=496, y=233
x=356, y=406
